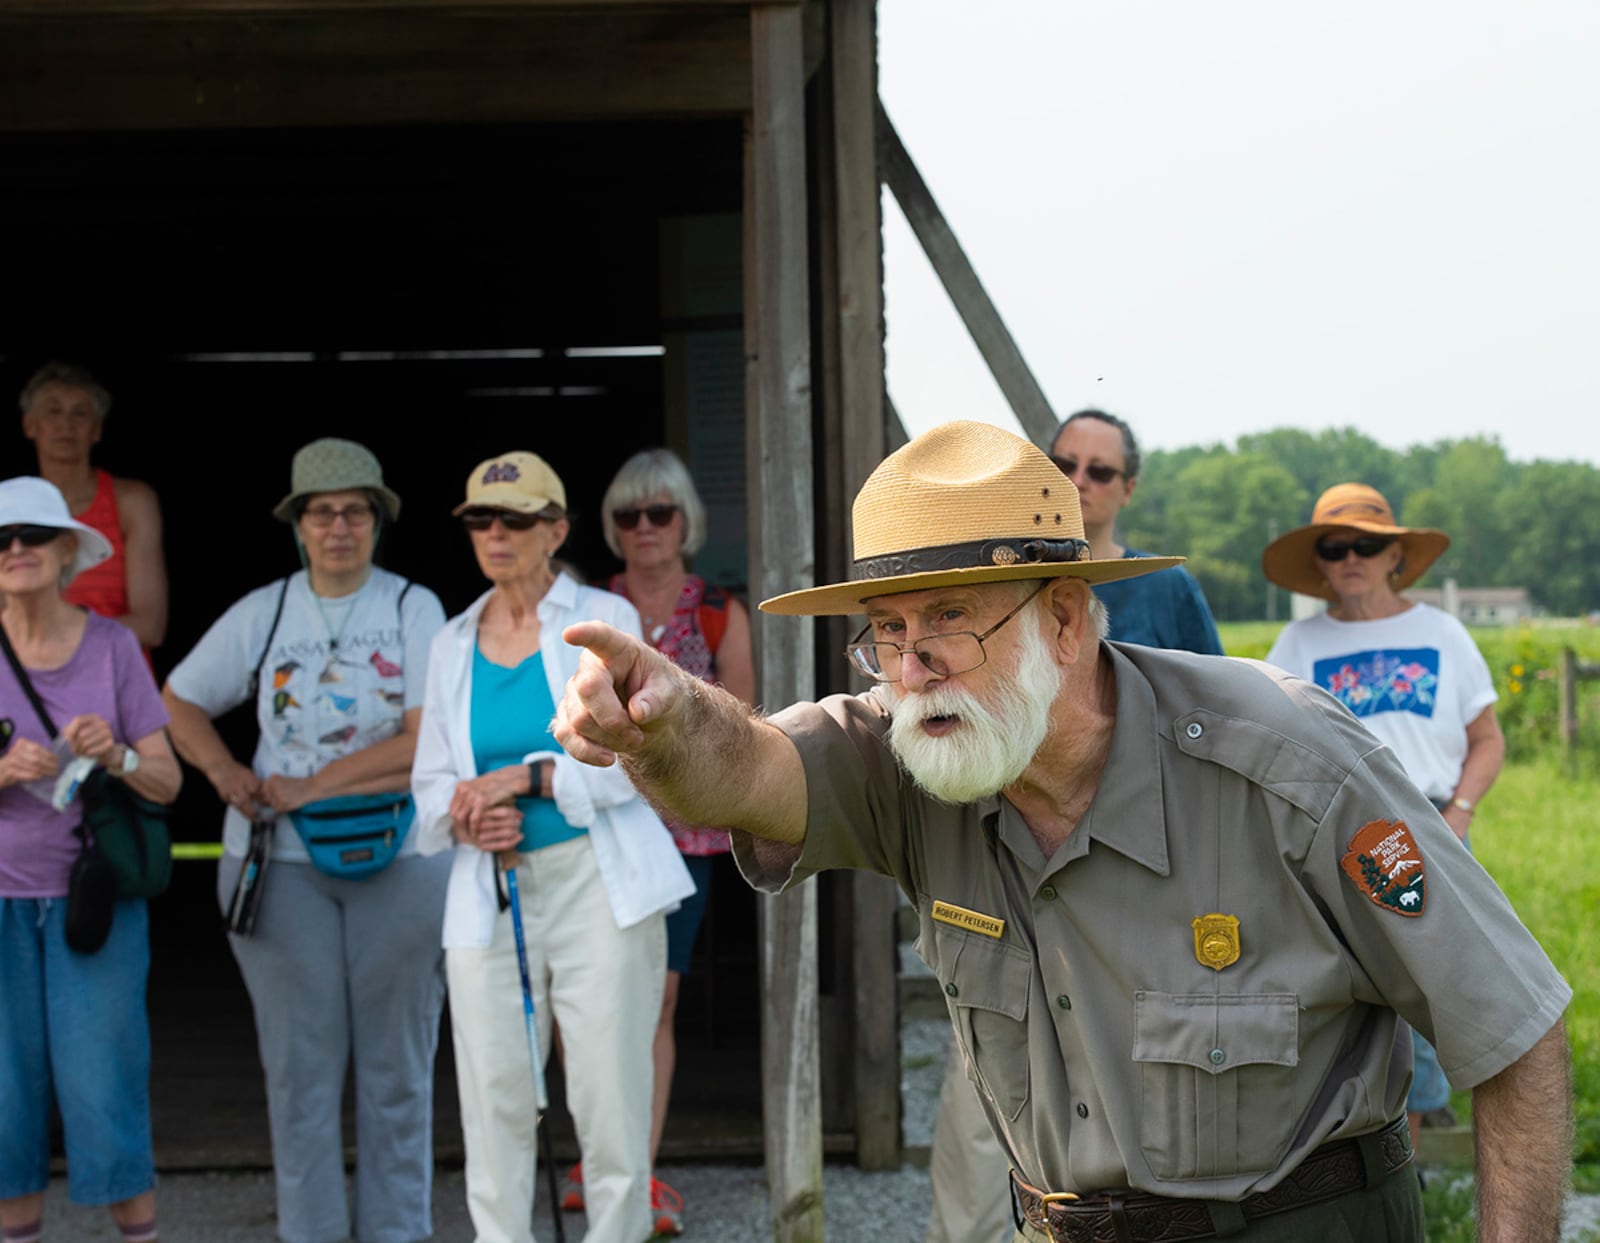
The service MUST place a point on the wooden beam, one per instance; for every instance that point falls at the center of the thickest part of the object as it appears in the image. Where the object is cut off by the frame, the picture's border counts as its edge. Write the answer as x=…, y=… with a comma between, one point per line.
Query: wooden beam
x=213, y=71
x=972, y=301
x=782, y=558
x=261, y=8
x=859, y=428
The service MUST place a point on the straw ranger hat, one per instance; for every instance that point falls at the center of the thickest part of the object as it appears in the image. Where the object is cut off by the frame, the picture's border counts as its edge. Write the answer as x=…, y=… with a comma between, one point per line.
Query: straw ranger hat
x=334, y=465
x=964, y=503
x=28, y=500
x=1290, y=560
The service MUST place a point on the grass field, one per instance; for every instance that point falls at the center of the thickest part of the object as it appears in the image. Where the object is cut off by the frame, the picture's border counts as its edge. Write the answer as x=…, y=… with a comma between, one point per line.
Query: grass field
x=1538, y=834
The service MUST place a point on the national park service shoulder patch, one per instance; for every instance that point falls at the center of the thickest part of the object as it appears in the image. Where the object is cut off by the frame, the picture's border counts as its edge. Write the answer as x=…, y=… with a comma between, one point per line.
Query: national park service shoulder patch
x=1386, y=864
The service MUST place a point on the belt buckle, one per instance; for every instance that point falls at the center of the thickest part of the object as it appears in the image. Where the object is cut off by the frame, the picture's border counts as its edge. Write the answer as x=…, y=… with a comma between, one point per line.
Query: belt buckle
x=1053, y=1197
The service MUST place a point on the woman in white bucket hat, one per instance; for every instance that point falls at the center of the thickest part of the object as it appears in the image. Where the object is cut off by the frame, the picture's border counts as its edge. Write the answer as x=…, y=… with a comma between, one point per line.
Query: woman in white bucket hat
x=72, y=1024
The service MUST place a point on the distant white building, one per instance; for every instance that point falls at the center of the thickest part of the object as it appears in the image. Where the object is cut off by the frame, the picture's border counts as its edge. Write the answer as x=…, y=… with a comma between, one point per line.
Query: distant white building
x=1475, y=606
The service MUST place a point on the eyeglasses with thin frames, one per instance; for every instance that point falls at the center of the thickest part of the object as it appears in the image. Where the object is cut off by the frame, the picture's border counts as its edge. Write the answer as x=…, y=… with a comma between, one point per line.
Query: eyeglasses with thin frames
x=511, y=519
x=943, y=655
x=1099, y=472
x=356, y=517
x=628, y=519
x=1363, y=546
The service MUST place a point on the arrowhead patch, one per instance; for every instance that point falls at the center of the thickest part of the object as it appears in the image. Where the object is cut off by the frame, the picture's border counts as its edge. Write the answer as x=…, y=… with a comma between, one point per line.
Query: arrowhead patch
x=1386, y=864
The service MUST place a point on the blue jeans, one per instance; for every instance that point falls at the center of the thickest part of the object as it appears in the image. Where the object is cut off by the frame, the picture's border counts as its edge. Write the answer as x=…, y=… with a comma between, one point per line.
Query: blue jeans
x=74, y=1025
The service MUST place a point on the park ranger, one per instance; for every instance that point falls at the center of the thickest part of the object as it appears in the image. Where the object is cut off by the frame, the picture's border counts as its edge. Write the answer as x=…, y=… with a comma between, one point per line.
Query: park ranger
x=1178, y=904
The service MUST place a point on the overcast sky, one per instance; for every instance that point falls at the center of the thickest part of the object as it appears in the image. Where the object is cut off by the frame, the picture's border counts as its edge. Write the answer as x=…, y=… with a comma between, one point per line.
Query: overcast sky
x=1222, y=218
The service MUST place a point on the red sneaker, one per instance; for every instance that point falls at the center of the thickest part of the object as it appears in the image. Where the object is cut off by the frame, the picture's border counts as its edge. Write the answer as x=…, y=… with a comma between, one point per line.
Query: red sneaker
x=666, y=1208
x=572, y=1193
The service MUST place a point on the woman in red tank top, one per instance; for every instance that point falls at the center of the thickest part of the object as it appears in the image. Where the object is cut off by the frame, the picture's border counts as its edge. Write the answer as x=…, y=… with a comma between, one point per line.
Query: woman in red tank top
x=63, y=412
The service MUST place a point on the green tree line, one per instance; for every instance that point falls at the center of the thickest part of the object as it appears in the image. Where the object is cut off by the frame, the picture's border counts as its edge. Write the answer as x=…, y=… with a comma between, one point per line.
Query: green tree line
x=1511, y=524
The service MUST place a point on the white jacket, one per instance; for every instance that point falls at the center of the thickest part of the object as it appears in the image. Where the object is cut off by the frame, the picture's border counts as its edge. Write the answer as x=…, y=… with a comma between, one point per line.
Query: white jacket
x=640, y=866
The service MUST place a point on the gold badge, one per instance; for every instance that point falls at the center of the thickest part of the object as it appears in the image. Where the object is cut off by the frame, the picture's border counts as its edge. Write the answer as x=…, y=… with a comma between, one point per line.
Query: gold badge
x=1216, y=940
x=972, y=921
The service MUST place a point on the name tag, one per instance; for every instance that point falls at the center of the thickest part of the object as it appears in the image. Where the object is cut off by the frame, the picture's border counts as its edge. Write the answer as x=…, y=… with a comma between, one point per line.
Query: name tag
x=972, y=921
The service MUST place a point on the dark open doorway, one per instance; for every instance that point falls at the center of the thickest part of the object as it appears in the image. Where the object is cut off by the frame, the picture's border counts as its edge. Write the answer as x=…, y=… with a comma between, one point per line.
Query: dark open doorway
x=438, y=293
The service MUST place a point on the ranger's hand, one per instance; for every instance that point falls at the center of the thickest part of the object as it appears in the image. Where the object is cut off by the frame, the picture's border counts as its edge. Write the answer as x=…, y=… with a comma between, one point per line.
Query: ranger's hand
x=623, y=689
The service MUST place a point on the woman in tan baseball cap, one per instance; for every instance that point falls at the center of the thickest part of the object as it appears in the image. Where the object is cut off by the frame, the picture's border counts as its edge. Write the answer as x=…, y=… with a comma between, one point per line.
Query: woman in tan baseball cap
x=1410, y=671
x=561, y=875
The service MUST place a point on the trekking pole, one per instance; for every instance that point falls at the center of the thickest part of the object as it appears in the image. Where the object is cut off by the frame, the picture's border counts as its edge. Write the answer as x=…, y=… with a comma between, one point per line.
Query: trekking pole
x=508, y=863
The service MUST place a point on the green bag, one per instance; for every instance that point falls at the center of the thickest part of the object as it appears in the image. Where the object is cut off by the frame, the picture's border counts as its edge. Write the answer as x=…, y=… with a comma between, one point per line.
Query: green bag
x=131, y=833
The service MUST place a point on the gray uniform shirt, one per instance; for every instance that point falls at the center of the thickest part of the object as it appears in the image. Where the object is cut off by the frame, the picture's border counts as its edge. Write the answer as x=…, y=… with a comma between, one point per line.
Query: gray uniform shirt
x=1107, y=1050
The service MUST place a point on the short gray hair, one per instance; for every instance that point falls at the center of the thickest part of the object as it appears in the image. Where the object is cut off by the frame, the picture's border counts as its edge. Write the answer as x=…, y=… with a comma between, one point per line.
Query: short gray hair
x=646, y=475
x=68, y=375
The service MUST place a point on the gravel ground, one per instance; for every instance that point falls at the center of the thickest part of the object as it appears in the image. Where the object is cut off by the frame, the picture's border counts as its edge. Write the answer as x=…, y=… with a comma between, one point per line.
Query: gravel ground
x=725, y=1203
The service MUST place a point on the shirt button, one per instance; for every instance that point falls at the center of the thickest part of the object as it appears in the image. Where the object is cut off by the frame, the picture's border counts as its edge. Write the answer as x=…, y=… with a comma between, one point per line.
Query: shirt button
x=1218, y=1057
x=1048, y=893
x=1195, y=729
x=1064, y=1002
x=1083, y=1110
x=951, y=989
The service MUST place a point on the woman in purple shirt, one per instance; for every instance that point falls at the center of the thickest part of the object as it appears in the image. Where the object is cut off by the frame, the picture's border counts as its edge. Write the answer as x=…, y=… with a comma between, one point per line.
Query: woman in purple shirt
x=69, y=1022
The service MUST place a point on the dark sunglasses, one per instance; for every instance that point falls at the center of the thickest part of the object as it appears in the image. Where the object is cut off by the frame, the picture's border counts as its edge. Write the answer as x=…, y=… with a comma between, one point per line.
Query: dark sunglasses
x=1363, y=546
x=511, y=519
x=31, y=536
x=1099, y=472
x=628, y=519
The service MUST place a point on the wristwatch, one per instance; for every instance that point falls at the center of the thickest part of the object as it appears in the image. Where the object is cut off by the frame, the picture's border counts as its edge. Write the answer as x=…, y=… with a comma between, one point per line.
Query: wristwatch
x=130, y=762
x=1462, y=804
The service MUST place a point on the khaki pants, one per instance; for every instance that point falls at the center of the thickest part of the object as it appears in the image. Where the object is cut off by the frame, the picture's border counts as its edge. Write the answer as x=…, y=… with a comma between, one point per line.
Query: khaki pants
x=603, y=985
x=970, y=1173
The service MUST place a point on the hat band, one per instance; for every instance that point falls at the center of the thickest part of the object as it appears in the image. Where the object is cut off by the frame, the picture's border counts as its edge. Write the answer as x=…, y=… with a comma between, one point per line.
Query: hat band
x=970, y=556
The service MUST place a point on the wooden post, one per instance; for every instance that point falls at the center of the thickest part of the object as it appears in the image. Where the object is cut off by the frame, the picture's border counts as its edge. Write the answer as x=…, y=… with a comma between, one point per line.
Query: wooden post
x=1569, y=698
x=858, y=428
x=972, y=302
x=782, y=558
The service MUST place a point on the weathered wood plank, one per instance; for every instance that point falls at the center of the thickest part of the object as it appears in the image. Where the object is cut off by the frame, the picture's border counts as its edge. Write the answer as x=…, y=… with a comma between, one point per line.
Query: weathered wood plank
x=858, y=285
x=364, y=68
x=972, y=301
x=782, y=557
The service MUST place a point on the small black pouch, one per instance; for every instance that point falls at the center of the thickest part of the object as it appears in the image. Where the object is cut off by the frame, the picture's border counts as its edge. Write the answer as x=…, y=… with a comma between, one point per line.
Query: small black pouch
x=91, y=899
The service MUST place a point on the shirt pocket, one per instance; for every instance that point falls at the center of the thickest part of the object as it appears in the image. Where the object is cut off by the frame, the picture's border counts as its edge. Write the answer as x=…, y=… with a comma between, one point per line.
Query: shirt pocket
x=986, y=985
x=1217, y=1081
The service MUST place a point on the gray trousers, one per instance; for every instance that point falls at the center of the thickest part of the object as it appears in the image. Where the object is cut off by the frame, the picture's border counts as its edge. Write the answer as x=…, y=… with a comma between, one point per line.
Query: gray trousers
x=348, y=973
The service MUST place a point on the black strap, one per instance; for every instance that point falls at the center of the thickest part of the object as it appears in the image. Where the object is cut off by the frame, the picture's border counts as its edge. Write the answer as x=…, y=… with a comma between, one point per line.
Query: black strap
x=26, y=683
x=255, y=677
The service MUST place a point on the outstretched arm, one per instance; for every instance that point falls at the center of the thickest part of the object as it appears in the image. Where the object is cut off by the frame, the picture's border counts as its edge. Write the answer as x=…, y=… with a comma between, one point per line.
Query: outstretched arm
x=692, y=749
x=1522, y=1128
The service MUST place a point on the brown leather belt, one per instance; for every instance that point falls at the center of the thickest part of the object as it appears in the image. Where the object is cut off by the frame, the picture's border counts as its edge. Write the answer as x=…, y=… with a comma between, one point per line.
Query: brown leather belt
x=1333, y=1170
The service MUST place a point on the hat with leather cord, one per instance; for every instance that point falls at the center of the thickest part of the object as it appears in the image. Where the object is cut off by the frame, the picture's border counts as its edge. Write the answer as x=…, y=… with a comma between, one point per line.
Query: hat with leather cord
x=962, y=504
x=520, y=481
x=1290, y=560
x=28, y=501
x=334, y=465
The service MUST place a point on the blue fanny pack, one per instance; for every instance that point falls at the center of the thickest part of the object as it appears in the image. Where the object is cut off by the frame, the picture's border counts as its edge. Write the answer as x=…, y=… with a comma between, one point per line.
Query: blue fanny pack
x=355, y=835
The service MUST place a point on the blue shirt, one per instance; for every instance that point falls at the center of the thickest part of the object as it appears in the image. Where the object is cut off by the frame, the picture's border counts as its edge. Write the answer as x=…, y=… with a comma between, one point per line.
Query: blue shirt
x=511, y=715
x=1164, y=609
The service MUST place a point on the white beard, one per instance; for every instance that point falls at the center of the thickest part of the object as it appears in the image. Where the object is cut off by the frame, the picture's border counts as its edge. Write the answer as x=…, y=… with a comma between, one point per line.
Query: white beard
x=993, y=742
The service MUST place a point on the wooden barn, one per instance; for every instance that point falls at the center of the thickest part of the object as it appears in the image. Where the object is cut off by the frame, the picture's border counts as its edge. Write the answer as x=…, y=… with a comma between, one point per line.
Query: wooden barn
x=449, y=228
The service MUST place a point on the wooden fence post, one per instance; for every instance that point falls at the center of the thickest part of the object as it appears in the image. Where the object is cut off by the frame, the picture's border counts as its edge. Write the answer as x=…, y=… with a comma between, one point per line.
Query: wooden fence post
x=1569, y=698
